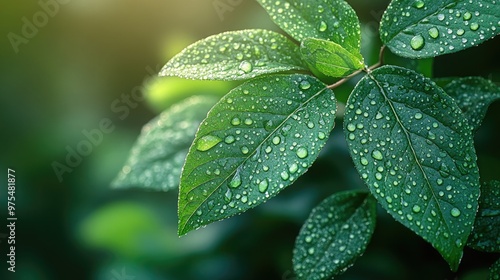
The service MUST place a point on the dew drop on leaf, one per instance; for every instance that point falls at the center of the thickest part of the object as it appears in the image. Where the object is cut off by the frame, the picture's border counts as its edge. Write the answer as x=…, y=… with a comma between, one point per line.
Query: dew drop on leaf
x=248, y=121
x=305, y=85
x=419, y=4
x=467, y=16
x=376, y=154
x=276, y=140
x=246, y=67
x=351, y=127
x=229, y=139
x=434, y=32
x=417, y=42
x=235, y=121
x=263, y=186
x=244, y=150
x=228, y=195
x=302, y=152
x=207, y=142
x=236, y=181
x=455, y=212
x=284, y=175
x=322, y=26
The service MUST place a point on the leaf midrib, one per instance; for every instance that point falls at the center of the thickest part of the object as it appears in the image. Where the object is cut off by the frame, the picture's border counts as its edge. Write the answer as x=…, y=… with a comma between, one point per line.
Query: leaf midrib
x=413, y=152
x=181, y=230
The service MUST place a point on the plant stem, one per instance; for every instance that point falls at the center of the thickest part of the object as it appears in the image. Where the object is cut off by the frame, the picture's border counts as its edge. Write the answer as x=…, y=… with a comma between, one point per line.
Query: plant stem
x=366, y=69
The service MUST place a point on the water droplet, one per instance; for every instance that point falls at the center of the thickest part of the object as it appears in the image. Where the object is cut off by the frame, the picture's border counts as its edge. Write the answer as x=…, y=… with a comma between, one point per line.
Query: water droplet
x=321, y=135
x=244, y=150
x=207, y=142
x=376, y=154
x=246, y=67
x=268, y=150
x=455, y=212
x=229, y=139
x=467, y=16
x=311, y=251
x=248, y=121
x=322, y=26
x=416, y=209
x=419, y=4
x=276, y=140
x=293, y=168
x=302, y=152
x=364, y=161
x=444, y=170
x=263, y=186
x=351, y=127
x=460, y=32
x=417, y=42
x=284, y=175
x=434, y=32
x=474, y=26
x=269, y=125
x=305, y=85
x=440, y=17
x=236, y=181
x=235, y=121
x=228, y=195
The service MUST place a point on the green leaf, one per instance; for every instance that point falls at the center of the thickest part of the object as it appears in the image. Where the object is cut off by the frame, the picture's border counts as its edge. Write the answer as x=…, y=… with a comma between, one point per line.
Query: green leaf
x=157, y=157
x=486, y=234
x=413, y=147
x=236, y=55
x=495, y=271
x=426, y=28
x=256, y=141
x=331, y=20
x=473, y=95
x=329, y=58
x=335, y=235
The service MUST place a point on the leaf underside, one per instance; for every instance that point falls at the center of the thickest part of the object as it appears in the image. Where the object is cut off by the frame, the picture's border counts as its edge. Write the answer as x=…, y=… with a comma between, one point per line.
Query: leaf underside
x=427, y=28
x=473, y=95
x=257, y=140
x=336, y=233
x=486, y=234
x=413, y=147
x=235, y=55
x=157, y=157
x=332, y=20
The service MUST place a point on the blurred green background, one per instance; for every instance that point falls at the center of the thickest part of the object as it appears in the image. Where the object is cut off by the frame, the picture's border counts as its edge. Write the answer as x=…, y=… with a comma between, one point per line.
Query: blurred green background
x=79, y=61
